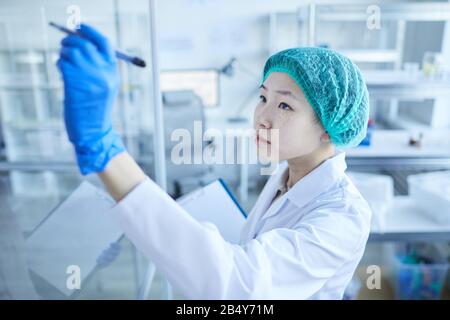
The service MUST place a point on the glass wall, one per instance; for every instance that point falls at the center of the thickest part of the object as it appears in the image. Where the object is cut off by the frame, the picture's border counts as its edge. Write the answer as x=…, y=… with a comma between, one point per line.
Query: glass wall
x=38, y=164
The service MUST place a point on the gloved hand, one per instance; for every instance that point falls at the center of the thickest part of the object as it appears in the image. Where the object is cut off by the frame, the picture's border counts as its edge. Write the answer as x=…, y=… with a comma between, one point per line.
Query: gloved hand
x=91, y=82
x=109, y=255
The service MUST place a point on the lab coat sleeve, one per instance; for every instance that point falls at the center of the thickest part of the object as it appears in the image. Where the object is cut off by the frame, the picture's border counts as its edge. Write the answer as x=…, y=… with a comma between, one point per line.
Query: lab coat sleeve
x=199, y=263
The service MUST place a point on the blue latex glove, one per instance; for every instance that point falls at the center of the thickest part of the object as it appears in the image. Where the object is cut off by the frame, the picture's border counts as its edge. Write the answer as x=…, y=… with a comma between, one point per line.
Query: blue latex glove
x=91, y=82
x=109, y=255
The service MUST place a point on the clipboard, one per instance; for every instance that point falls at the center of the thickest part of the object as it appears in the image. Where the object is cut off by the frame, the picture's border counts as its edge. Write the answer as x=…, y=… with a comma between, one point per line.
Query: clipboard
x=215, y=203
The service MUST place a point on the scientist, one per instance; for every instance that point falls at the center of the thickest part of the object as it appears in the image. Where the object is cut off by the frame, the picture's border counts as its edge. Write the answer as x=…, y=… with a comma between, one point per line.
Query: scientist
x=308, y=229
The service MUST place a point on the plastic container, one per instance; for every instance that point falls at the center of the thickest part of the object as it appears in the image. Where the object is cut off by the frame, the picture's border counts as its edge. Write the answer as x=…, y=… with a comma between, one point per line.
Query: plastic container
x=378, y=190
x=28, y=105
x=33, y=184
x=432, y=64
x=431, y=192
x=353, y=288
x=34, y=143
x=420, y=275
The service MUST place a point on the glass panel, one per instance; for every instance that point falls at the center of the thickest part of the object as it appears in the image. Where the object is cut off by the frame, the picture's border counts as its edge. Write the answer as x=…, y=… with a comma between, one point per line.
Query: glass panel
x=31, y=105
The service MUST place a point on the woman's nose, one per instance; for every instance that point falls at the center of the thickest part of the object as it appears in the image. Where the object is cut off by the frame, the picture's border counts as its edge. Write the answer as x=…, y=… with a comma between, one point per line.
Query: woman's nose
x=263, y=124
x=262, y=117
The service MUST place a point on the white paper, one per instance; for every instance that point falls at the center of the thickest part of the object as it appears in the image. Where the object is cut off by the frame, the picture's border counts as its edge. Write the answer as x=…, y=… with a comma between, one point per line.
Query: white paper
x=75, y=234
x=213, y=204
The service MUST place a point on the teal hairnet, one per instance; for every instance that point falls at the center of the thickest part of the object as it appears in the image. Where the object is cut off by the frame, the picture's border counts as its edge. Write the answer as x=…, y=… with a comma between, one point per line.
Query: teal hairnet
x=333, y=86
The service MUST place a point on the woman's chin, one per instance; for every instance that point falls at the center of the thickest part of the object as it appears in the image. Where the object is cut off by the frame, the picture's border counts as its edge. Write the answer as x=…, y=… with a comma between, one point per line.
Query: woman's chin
x=266, y=156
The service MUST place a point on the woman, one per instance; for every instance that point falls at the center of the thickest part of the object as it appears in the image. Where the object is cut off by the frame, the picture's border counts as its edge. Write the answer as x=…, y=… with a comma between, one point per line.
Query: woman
x=308, y=229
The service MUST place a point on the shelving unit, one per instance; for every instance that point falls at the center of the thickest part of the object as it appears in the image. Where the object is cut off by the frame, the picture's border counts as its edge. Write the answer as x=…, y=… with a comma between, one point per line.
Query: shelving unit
x=307, y=18
x=388, y=84
x=31, y=104
x=386, y=81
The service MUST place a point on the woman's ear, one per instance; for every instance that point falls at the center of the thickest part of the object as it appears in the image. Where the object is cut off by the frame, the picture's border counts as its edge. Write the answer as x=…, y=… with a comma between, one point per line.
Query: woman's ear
x=325, y=137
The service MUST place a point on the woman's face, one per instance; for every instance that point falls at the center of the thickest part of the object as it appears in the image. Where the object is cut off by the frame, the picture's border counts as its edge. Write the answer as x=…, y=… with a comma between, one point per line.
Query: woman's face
x=284, y=107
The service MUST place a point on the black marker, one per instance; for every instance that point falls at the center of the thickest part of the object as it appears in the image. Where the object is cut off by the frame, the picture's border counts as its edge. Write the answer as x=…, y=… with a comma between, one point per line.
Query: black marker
x=120, y=55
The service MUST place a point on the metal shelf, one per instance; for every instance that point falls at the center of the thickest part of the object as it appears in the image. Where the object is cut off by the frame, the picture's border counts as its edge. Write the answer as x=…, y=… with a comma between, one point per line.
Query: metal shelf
x=36, y=166
x=389, y=84
x=46, y=86
x=410, y=11
x=409, y=91
x=28, y=86
x=399, y=163
x=409, y=236
x=54, y=166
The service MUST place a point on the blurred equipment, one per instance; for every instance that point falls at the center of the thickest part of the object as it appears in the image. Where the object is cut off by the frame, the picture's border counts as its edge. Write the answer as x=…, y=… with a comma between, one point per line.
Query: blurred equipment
x=229, y=70
x=204, y=82
x=183, y=109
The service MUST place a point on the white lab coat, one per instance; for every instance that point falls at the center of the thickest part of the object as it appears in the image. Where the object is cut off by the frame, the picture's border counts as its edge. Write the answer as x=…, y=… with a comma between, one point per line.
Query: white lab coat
x=306, y=245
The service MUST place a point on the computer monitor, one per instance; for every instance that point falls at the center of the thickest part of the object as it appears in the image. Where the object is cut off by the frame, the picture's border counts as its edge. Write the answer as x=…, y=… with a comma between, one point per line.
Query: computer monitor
x=204, y=82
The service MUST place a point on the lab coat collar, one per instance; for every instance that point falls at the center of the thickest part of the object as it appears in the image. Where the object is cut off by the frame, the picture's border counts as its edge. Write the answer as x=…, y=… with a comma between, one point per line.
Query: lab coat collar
x=310, y=186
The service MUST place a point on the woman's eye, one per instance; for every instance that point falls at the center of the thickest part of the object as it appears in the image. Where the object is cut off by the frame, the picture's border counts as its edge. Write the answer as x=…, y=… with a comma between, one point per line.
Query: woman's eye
x=284, y=106
x=263, y=99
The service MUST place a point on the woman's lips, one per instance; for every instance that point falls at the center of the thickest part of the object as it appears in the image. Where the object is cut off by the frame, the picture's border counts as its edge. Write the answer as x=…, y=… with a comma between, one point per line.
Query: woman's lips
x=262, y=140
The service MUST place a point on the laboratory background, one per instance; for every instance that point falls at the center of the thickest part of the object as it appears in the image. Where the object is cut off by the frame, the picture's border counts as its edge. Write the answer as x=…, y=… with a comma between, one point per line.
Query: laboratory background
x=207, y=58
